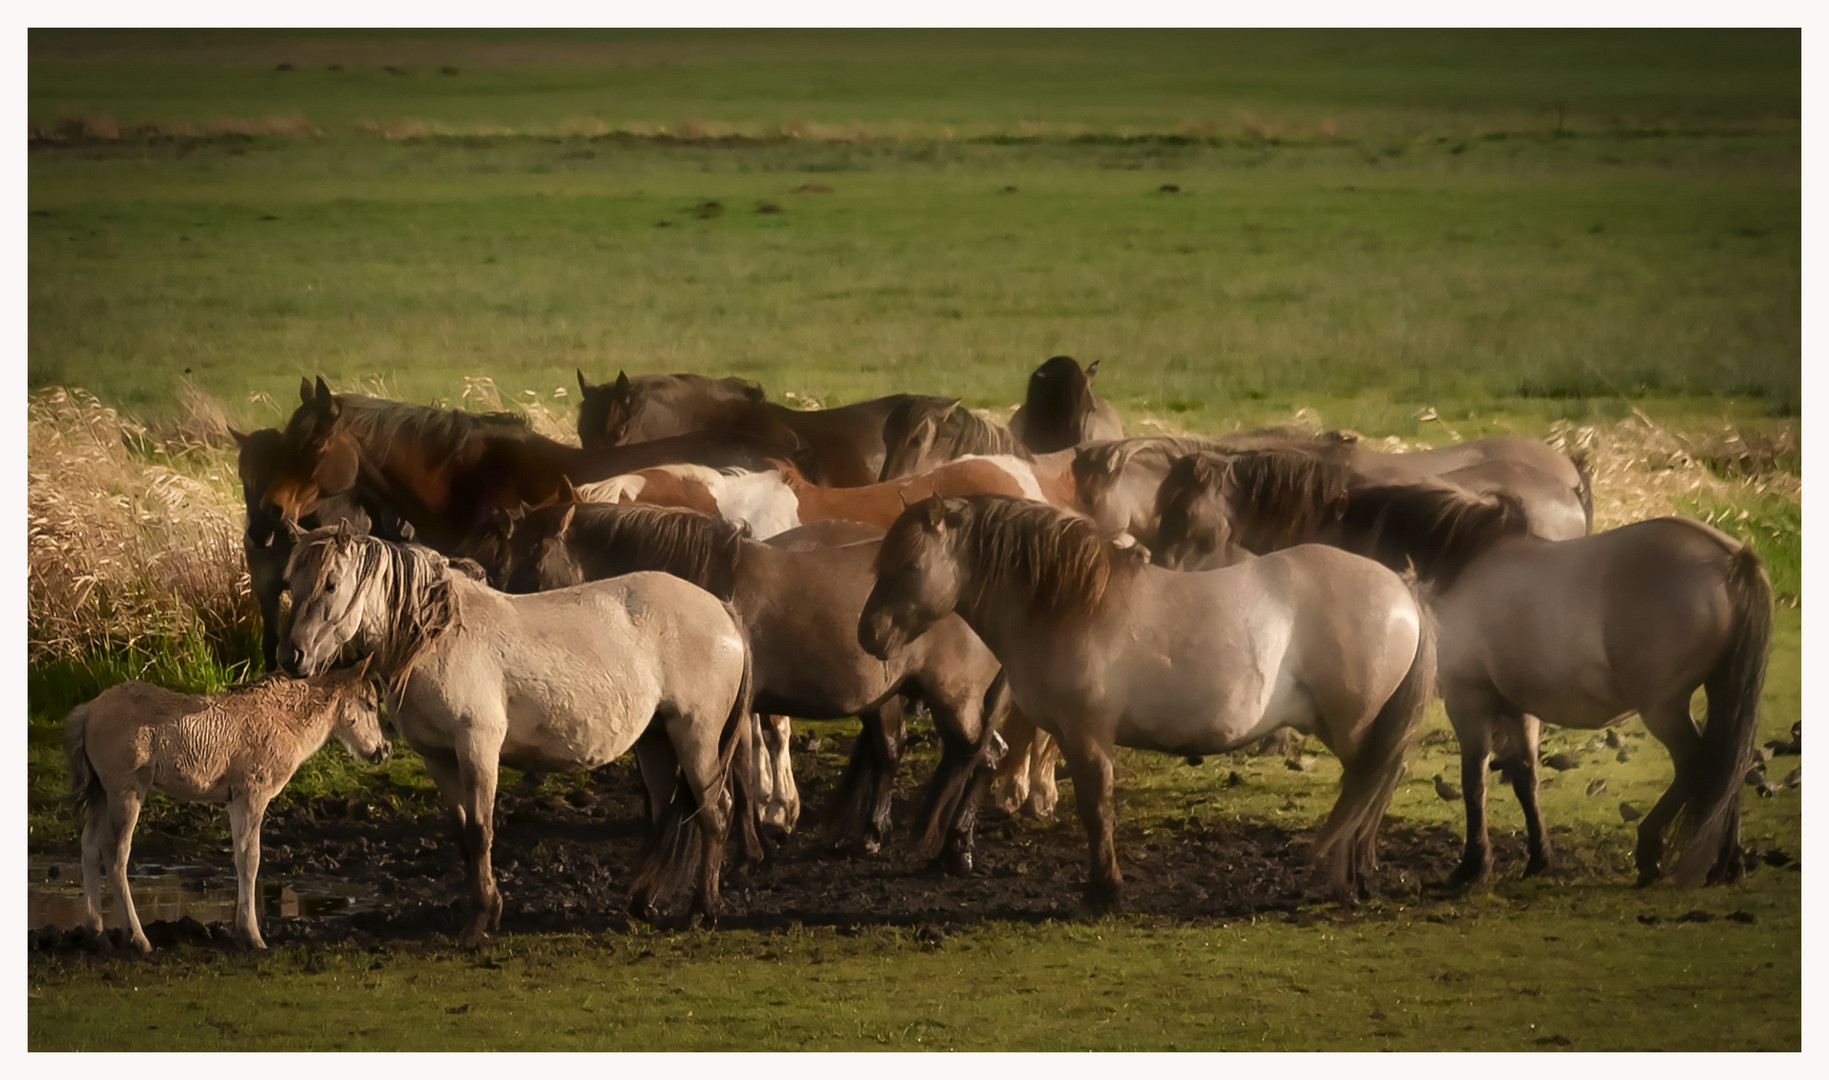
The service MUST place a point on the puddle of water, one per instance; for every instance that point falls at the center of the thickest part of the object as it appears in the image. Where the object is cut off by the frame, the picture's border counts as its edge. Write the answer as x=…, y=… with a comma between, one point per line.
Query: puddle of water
x=205, y=893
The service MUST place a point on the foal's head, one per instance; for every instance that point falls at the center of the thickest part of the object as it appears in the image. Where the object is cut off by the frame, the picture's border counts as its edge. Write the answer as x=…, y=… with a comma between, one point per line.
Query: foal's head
x=358, y=721
x=918, y=579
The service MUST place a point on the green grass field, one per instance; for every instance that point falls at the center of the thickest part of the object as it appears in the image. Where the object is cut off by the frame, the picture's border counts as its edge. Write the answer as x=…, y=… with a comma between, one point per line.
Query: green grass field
x=1425, y=235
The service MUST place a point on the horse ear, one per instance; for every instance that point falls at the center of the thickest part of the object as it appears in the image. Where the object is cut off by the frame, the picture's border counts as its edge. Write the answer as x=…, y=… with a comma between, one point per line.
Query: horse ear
x=583, y=386
x=567, y=493
x=345, y=533
x=305, y=395
x=902, y=494
x=326, y=401
x=1092, y=371
x=361, y=668
x=936, y=513
x=565, y=521
x=504, y=521
x=240, y=439
x=293, y=532
x=623, y=387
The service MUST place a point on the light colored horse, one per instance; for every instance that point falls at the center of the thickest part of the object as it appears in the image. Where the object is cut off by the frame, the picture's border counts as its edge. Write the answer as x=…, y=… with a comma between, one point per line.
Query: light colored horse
x=1581, y=633
x=563, y=681
x=1118, y=482
x=239, y=748
x=1102, y=649
x=774, y=502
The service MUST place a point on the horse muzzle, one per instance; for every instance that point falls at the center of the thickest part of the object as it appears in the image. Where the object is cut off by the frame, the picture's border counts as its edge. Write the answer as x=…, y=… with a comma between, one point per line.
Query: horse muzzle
x=381, y=753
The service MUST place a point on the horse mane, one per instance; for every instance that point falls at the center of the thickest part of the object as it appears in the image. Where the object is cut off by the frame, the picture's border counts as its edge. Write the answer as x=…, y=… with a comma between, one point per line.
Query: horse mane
x=957, y=433
x=1056, y=557
x=688, y=544
x=1437, y=528
x=1294, y=489
x=441, y=432
x=421, y=602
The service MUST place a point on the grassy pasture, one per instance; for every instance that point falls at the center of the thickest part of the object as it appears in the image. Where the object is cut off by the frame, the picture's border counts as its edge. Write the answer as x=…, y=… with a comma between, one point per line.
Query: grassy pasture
x=1415, y=235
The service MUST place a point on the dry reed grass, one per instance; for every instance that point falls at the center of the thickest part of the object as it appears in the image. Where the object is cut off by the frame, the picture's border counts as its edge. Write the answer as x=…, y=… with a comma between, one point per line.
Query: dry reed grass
x=132, y=539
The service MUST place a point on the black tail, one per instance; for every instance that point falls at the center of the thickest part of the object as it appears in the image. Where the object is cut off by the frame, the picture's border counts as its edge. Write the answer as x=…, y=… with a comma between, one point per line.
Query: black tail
x=1584, y=489
x=1349, y=838
x=1708, y=828
x=738, y=744
x=953, y=801
x=85, y=787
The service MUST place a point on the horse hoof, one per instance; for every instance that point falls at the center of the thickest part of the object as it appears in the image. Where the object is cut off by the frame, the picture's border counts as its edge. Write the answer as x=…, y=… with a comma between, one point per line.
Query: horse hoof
x=1469, y=873
x=956, y=863
x=1099, y=901
x=1648, y=878
x=1539, y=868
x=473, y=937
x=642, y=908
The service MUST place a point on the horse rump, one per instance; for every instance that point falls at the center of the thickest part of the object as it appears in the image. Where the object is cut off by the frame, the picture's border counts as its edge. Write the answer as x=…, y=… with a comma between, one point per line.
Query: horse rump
x=1348, y=841
x=1708, y=826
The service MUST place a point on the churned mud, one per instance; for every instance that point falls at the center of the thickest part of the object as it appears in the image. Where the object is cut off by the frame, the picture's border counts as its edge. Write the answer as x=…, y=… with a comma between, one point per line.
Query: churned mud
x=334, y=872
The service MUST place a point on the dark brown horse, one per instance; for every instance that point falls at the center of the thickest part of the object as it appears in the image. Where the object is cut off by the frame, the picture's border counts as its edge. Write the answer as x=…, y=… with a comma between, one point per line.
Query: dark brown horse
x=444, y=470
x=840, y=447
x=267, y=545
x=800, y=603
x=1060, y=410
x=1581, y=632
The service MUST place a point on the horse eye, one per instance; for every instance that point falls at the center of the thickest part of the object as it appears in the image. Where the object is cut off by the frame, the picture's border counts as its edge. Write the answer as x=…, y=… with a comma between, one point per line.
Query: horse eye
x=330, y=587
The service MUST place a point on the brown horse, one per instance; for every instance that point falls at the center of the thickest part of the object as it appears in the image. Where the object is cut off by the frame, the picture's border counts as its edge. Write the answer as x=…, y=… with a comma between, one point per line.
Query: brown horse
x=267, y=546
x=1061, y=411
x=780, y=499
x=1580, y=632
x=444, y=470
x=799, y=602
x=842, y=447
x=1102, y=649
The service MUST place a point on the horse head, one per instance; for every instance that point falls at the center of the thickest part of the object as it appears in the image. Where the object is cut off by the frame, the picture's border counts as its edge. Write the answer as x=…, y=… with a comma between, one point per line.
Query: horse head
x=918, y=580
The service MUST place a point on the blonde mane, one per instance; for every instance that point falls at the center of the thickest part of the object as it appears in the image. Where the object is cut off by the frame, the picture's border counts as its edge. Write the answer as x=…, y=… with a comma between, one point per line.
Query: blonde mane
x=420, y=602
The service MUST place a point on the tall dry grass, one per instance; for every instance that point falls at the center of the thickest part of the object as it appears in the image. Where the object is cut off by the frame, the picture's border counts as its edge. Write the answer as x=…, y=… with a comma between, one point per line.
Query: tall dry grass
x=133, y=537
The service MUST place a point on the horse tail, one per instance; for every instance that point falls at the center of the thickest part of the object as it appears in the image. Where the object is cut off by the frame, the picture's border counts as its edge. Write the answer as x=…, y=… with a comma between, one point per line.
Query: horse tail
x=85, y=786
x=737, y=744
x=1710, y=819
x=1349, y=839
x=1584, y=486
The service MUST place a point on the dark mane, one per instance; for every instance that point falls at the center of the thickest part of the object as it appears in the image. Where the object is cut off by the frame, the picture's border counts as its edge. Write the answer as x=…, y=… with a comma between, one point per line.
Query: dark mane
x=612, y=539
x=442, y=432
x=1290, y=492
x=1434, y=527
x=1057, y=558
x=958, y=431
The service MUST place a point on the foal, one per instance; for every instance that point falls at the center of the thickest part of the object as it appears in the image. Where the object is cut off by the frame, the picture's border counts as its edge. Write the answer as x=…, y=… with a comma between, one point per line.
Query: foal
x=239, y=748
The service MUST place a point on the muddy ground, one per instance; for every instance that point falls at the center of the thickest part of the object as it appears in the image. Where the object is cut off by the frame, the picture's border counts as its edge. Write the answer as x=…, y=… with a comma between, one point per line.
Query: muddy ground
x=564, y=855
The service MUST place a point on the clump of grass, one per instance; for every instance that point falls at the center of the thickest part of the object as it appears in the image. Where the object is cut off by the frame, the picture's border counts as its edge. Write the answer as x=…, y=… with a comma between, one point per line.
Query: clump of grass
x=126, y=553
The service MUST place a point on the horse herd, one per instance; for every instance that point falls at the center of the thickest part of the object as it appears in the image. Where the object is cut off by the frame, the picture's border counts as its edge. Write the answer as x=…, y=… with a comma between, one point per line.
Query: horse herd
x=708, y=563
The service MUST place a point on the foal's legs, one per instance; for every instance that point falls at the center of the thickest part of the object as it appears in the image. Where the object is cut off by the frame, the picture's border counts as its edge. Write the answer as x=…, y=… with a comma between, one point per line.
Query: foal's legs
x=1090, y=763
x=1671, y=723
x=123, y=815
x=246, y=810
x=95, y=838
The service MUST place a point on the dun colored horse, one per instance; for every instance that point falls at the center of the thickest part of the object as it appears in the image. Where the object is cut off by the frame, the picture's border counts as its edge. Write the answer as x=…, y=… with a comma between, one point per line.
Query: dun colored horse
x=841, y=447
x=1118, y=482
x=444, y=470
x=781, y=498
x=799, y=600
x=563, y=681
x=240, y=747
x=1579, y=632
x=1059, y=414
x=1102, y=649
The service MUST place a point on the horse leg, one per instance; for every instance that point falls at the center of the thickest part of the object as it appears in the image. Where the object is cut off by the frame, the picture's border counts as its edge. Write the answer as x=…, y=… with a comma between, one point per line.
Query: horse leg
x=696, y=744
x=246, y=810
x=1522, y=732
x=886, y=730
x=123, y=815
x=266, y=594
x=477, y=770
x=95, y=838
x=660, y=770
x=946, y=824
x=1090, y=764
x=1013, y=775
x=783, y=811
x=449, y=774
x=1043, y=794
x=1671, y=724
x=1473, y=730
